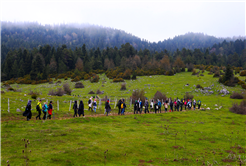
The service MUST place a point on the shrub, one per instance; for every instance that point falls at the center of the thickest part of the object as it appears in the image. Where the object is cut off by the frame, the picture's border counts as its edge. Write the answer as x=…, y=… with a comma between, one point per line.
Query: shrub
x=240, y=82
x=60, y=92
x=65, y=78
x=76, y=79
x=199, y=86
x=239, y=109
x=217, y=74
x=94, y=78
x=52, y=92
x=34, y=96
x=134, y=76
x=58, y=82
x=188, y=96
x=194, y=72
x=138, y=94
x=243, y=86
x=201, y=75
x=160, y=96
x=11, y=89
x=118, y=80
x=243, y=73
x=91, y=92
x=190, y=67
x=170, y=73
x=67, y=89
x=2, y=92
x=79, y=85
x=99, y=92
x=236, y=95
x=51, y=82
x=123, y=86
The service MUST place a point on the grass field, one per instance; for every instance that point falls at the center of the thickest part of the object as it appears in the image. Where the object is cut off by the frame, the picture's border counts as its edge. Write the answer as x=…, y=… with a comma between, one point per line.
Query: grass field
x=178, y=138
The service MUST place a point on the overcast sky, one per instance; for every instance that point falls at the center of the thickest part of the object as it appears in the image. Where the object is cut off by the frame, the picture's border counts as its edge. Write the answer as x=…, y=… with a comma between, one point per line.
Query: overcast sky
x=150, y=20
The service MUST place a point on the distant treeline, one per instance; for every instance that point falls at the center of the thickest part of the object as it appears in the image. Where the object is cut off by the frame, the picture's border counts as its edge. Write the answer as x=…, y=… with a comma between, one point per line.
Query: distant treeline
x=49, y=61
x=33, y=35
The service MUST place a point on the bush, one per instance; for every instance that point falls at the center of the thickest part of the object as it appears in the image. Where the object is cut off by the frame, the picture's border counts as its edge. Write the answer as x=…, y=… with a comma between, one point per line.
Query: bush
x=201, y=75
x=51, y=82
x=236, y=95
x=240, y=82
x=190, y=67
x=11, y=89
x=194, y=72
x=134, y=76
x=118, y=80
x=99, y=92
x=34, y=96
x=79, y=85
x=59, y=92
x=243, y=73
x=188, y=96
x=199, y=86
x=67, y=89
x=160, y=96
x=123, y=86
x=91, y=92
x=65, y=78
x=2, y=92
x=76, y=79
x=217, y=74
x=94, y=78
x=138, y=94
x=243, y=86
x=169, y=73
x=58, y=82
x=239, y=109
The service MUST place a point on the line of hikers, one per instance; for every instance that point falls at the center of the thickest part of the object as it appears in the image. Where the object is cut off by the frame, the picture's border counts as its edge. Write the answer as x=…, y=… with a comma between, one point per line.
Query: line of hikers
x=176, y=105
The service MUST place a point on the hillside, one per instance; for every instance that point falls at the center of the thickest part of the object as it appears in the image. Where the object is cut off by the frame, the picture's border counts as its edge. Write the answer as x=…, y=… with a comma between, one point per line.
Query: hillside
x=30, y=35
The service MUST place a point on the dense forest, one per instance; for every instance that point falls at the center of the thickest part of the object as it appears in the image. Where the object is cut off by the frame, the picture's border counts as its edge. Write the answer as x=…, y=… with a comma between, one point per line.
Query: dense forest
x=41, y=62
x=33, y=35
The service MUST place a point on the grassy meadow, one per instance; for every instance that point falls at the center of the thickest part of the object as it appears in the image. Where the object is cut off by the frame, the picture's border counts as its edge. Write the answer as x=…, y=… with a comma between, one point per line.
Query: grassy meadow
x=215, y=136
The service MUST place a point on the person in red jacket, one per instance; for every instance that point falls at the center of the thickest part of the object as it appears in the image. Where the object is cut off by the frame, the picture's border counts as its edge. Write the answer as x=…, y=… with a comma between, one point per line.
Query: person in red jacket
x=175, y=105
x=50, y=110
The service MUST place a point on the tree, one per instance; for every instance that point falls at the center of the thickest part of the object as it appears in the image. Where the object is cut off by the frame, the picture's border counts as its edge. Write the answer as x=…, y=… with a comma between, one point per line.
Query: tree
x=228, y=74
x=165, y=63
x=53, y=65
x=79, y=64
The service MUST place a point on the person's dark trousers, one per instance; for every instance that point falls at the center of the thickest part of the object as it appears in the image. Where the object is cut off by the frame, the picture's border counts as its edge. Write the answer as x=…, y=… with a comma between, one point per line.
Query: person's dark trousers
x=89, y=109
x=156, y=111
x=178, y=107
x=146, y=109
x=141, y=110
x=119, y=111
x=75, y=113
x=159, y=109
x=135, y=111
x=171, y=108
x=81, y=114
x=49, y=116
x=199, y=106
x=165, y=109
x=181, y=108
x=39, y=113
x=44, y=117
x=175, y=108
x=123, y=111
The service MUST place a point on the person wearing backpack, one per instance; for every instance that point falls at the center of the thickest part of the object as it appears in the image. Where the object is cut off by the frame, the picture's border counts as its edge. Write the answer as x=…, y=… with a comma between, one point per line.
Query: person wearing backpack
x=50, y=110
x=146, y=105
x=171, y=105
x=178, y=103
x=39, y=108
x=181, y=104
x=107, y=107
x=75, y=108
x=136, y=106
x=119, y=106
x=81, y=108
x=95, y=105
x=140, y=106
x=175, y=104
x=166, y=106
x=159, y=106
x=151, y=105
x=199, y=103
x=123, y=107
x=185, y=103
x=45, y=109
x=90, y=104
x=194, y=104
x=156, y=107
x=28, y=112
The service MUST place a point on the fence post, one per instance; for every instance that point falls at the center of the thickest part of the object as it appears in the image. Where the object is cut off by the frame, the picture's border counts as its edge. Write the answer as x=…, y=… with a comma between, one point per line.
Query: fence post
x=57, y=105
x=8, y=105
x=70, y=105
x=115, y=103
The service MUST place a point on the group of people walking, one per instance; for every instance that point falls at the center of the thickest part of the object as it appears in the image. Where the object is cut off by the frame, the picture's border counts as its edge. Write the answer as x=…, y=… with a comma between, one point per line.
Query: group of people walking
x=155, y=105
x=47, y=110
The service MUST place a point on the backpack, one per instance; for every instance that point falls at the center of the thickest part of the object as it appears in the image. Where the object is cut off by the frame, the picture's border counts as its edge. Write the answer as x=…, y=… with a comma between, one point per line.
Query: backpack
x=43, y=108
x=89, y=101
x=189, y=104
x=122, y=106
x=199, y=102
x=37, y=107
x=185, y=103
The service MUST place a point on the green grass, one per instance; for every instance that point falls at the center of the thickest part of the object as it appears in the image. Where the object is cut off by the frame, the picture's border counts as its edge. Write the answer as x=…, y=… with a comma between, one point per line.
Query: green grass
x=131, y=139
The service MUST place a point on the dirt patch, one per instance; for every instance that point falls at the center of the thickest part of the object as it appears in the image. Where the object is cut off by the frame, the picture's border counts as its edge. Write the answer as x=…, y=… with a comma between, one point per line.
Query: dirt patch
x=212, y=141
x=241, y=151
x=150, y=161
x=142, y=161
x=177, y=147
x=236, y=147
x=227, y=160
x=230, y=151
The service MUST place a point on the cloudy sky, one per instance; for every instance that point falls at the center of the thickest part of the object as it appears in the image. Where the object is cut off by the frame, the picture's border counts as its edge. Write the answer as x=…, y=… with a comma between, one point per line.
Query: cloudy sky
x=150, y=20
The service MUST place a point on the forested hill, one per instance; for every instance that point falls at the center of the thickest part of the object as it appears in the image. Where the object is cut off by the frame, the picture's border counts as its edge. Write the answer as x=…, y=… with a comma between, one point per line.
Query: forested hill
x=30, y=35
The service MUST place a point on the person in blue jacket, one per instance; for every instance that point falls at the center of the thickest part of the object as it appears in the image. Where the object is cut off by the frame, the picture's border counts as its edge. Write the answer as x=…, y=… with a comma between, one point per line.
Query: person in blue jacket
x=159, y=106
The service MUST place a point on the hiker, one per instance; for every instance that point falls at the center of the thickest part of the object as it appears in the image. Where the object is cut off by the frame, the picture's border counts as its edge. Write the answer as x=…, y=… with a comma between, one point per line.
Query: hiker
x=181, y=104
x=140, y=106
x=136, y=106
x=171, y=105
x=151, y=105
x=95, y=105
x=39, y=108
x=175, y=104
x=178, y=103
x=159, y=106
x=45, y=109
x=107, y=107
x=81, y=108
x=146, y=105
x=50, y=110
x=90, y=104
x=156, y=107
x=199, y=103
x=28, y=112
x=75, y=108
x=123, y=107
x=119, y=104
x=189, y=104
x=194, y=104
x=166, y=106
x=185, y=103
